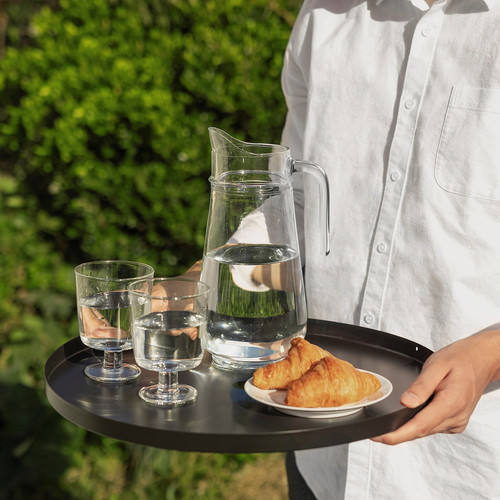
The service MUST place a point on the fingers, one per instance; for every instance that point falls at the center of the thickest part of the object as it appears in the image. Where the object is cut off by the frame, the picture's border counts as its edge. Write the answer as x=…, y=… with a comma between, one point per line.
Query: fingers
x=97, y=326
x=435, y=417
x=94, y=323
x=439, y=416
x=425, y=384
x=108, y=332
x=422, y=424
x=455, y=388
x=162, y=303
x=191, y=332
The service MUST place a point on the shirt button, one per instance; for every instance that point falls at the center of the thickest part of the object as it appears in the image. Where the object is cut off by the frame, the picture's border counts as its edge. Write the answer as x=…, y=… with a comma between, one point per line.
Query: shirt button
x=427, y=30
x=394, y=176
x=410, y=103
x=381, y=247
x=369, y=318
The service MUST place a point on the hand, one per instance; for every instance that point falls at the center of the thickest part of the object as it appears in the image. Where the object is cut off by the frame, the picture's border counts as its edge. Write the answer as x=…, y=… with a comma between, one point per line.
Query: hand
x=159, y=305
x=457, y=376
x=96, y=326
x=159, y=291
x=194, y=271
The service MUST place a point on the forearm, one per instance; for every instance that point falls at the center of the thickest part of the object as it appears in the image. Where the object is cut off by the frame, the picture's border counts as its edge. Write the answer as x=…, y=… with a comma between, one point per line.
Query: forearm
x=194, y=271
x=488, y=349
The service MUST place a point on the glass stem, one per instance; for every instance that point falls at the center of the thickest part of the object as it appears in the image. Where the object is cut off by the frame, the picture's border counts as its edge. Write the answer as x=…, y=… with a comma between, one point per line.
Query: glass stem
x=112, y=360
x=168, y=384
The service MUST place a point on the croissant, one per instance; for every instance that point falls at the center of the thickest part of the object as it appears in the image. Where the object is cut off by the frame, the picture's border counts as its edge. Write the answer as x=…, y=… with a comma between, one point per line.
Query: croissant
x=301, y=356
x=331, y=382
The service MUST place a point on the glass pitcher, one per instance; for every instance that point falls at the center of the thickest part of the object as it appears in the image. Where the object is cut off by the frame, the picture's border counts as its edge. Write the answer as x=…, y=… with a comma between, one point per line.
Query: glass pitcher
x=251, y=257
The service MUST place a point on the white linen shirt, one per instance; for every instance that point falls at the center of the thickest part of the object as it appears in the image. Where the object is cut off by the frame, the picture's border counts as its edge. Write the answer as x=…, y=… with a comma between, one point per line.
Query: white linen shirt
x=400, y=104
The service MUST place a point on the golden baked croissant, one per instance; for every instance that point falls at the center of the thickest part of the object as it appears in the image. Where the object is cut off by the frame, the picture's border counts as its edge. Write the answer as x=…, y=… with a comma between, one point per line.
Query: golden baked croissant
x=331, y=382
x=301, y=356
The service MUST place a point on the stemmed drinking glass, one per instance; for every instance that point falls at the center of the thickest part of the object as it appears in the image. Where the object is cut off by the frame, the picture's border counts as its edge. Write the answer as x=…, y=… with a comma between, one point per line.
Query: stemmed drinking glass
x=104, y=314
x=169, y=317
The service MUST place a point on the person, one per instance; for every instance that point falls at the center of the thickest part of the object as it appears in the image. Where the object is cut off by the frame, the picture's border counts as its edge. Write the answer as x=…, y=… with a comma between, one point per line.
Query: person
x=399, y=102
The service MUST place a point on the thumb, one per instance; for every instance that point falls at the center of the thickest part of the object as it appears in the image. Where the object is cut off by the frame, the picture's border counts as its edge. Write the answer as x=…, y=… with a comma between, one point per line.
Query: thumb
x=422, y=388
x=410, y=399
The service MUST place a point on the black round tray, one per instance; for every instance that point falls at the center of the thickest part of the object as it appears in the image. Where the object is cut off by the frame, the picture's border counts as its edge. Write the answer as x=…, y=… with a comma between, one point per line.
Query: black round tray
x=224, y=419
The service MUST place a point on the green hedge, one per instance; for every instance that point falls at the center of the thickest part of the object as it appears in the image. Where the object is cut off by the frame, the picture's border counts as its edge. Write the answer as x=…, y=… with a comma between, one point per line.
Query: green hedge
x=104, y=153
x=106, y=116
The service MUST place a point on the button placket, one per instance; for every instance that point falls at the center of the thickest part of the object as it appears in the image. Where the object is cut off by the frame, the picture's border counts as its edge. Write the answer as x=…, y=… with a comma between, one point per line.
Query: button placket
x=369, y=318
x=417, y=70
x=409, y=103
x=427, y=30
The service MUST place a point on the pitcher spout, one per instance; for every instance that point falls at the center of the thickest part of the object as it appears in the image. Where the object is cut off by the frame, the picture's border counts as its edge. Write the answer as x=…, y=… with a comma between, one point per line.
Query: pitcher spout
x=223, y=143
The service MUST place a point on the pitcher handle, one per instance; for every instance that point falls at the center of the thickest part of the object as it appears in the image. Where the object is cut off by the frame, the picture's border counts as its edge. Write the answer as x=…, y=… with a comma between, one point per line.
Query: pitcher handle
x=324, y=196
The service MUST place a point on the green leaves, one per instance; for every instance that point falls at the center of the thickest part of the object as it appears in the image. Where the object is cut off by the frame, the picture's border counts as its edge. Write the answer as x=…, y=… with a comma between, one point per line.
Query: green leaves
x=104, y=153
x=106, y=116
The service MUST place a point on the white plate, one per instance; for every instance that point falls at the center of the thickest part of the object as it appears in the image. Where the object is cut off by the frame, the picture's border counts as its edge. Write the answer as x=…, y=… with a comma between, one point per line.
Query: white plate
x=276, y=399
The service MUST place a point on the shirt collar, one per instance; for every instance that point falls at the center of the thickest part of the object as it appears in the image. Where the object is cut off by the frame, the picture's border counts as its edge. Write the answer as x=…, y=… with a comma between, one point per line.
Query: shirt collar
x=489, y=3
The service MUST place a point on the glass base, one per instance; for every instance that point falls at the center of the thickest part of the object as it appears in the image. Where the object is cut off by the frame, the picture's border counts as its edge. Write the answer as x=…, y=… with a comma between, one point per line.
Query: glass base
x=125, y=373
x=228, y=364
x=170, y=398
x=231, y=355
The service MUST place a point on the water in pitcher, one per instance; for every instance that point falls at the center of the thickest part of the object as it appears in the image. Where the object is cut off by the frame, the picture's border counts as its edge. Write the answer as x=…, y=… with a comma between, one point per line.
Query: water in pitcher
x=257, y=304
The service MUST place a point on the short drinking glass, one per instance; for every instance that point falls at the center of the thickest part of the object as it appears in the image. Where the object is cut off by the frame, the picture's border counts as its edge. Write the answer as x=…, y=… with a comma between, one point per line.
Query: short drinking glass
x=104, y=314
x=169, y=319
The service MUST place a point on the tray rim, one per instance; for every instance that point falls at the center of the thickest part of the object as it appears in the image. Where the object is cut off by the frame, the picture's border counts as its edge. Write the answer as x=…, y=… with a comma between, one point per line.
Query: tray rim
x=293, y=439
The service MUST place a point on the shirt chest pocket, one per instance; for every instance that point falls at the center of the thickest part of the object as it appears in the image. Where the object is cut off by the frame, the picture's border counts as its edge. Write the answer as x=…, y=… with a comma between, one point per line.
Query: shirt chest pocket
x=468, y=156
